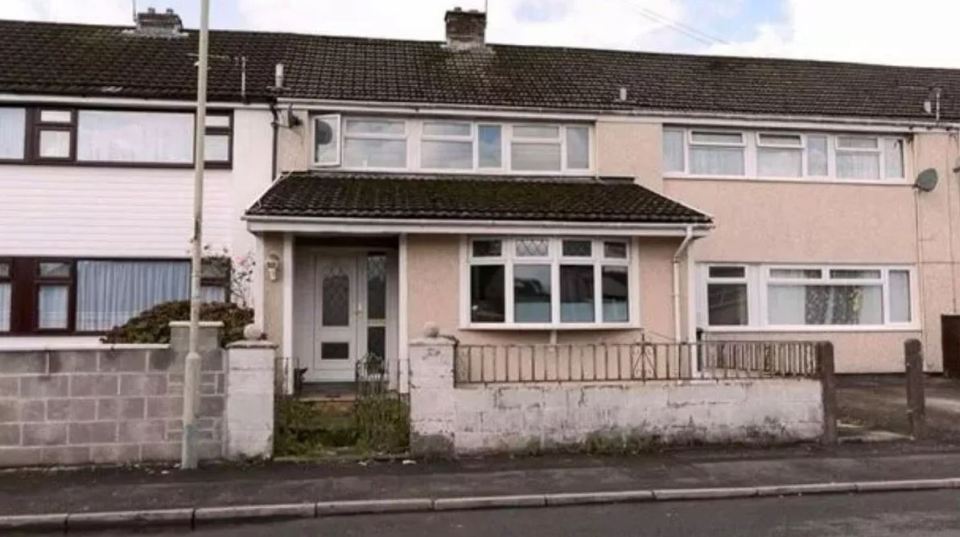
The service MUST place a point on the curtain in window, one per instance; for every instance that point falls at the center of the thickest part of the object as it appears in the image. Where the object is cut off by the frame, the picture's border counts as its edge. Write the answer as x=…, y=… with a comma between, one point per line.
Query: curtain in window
x=855, y=165
x=673, y=150
x=716, y=160
x=825, y=304
x=111, y=136
x=12, y=134
x=535, y=156
x=111, y=292
x=4, y=307
x=899, y=296
x=213, y=293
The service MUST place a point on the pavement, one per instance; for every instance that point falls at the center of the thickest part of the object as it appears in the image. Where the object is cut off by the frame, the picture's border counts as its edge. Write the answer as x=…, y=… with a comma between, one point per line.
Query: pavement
x=734, y=472
x=902, y=514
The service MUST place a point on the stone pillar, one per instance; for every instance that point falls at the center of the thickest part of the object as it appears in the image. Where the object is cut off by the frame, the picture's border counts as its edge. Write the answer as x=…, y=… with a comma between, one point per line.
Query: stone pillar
x=432, y=395
x=251, y=381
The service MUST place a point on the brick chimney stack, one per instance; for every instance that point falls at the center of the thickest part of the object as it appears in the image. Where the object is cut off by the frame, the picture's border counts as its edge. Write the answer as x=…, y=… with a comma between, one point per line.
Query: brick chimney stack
x=153, y=24
x=465, y=29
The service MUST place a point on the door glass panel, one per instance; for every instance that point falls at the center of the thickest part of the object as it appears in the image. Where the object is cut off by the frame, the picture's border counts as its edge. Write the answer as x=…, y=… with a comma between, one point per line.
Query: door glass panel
x=335, y=290
x=377, y=286
x=334, y=351
x=377, y=341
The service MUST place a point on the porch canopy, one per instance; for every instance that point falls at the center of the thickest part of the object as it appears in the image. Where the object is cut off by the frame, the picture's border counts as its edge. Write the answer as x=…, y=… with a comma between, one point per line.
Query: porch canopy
x=339, y=201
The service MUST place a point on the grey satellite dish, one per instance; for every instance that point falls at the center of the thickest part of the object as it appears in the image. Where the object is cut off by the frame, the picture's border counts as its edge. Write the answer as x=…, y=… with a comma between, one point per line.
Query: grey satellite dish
x=927, y=180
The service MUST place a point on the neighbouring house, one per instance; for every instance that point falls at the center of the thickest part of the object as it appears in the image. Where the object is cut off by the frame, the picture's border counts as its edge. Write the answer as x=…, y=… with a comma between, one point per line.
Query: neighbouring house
x=508, y=194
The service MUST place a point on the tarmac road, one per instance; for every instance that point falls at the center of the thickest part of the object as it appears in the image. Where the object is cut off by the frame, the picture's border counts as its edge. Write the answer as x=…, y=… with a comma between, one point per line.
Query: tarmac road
x=899, y=514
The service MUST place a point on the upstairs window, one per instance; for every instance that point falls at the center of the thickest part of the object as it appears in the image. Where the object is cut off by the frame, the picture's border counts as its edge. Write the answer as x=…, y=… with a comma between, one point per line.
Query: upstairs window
x=716, y=153
x=115, y=136
x=13, y=123
x=779, y=155
x=451, y=145
x=85, y=136
x=375, y=143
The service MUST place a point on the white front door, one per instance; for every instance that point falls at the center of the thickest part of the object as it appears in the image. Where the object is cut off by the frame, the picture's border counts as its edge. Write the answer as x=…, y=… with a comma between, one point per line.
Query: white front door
x=336, y=345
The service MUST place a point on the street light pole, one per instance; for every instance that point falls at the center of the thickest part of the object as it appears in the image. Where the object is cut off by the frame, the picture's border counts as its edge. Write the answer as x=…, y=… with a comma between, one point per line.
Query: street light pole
x=191, y=377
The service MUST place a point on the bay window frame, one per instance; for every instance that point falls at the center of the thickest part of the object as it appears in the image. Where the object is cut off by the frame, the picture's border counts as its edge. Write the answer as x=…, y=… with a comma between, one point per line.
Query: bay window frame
x=554, y=259
x=759, y=280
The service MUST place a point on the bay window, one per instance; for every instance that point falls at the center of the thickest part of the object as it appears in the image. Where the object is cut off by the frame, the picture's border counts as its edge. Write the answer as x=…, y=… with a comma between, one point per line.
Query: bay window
x=451, y=145
x=548, y=282
x=795, y=297
x=93, y=295
x=782, y=155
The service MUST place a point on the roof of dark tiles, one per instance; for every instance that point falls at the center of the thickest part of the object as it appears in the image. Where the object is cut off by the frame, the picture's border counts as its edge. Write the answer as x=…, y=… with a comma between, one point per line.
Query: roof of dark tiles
x=71, y=59
x=467, y=197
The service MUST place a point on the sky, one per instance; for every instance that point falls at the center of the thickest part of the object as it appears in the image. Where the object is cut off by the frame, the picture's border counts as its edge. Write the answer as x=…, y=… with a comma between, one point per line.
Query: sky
x=915, y=32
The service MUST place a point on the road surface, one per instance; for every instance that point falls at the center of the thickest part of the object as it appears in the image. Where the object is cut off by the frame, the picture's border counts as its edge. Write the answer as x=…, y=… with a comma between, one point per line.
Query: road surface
x=906, y=514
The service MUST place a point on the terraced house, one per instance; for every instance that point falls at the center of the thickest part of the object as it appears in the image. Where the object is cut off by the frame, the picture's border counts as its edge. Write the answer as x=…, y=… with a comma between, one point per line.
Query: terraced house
x=508, y=194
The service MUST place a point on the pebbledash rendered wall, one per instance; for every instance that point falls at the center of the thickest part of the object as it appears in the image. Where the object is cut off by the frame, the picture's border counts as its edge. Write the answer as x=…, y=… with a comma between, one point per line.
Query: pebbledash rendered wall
x=449, y=420
x=123, y=404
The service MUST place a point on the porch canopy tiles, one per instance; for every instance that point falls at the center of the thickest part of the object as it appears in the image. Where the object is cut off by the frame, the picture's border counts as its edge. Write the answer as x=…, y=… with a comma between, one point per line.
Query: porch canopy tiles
x=434, y=199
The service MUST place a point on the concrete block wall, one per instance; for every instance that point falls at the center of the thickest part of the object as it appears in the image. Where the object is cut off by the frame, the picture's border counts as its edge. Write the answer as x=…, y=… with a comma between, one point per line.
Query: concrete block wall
x=119, y=404
x=446, y=419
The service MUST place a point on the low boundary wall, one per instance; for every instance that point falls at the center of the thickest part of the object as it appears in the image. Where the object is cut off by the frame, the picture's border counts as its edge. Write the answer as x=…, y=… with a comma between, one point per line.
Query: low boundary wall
x=120, y=404
x=447, y=419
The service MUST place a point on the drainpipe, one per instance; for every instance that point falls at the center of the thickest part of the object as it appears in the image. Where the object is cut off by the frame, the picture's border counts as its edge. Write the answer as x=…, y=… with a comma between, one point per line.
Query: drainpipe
x=681, y=250
x=275, y=125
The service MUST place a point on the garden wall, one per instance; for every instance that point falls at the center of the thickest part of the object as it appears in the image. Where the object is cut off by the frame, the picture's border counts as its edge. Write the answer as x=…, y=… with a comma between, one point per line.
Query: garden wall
x=525, y=417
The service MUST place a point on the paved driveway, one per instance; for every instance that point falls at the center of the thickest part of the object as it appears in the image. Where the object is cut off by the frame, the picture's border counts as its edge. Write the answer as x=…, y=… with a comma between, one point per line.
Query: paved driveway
x=879, y=402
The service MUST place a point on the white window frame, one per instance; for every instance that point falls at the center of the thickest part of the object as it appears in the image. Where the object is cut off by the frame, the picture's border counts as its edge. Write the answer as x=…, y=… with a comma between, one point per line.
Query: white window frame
x=758, y=279
x=760, y=144
x=332, y=118
x=554, y=259
x=405, y=136
x=752, y=144
x=708, y=280
x=473, y=138
x=691, y=143
x=414, y=137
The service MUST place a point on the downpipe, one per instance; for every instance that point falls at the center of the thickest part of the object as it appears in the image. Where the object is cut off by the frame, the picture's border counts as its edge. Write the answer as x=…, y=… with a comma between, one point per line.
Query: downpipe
x=677, y=256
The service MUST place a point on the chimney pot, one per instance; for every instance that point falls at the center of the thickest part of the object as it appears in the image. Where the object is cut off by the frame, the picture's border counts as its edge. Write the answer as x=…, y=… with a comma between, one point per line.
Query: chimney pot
x=465, y=29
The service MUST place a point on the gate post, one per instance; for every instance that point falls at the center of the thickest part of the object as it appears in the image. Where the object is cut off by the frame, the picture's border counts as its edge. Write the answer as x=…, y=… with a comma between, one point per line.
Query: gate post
x=916, y=402
x=828, y=385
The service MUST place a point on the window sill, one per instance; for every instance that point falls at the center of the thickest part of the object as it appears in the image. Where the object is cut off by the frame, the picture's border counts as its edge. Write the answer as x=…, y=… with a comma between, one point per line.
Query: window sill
x=809, y=329
x=519, y=327
x=804, y=180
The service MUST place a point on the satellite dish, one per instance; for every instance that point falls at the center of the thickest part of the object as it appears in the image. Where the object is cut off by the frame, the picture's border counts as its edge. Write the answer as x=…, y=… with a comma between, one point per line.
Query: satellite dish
x=927, y=180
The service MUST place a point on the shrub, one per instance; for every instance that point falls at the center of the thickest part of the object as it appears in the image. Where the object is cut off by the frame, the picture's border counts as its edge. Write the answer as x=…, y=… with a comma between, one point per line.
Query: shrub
x=153, y=325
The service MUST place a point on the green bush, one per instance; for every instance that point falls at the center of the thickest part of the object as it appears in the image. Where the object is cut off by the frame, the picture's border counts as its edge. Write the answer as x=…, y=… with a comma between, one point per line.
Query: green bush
x=153, y=325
